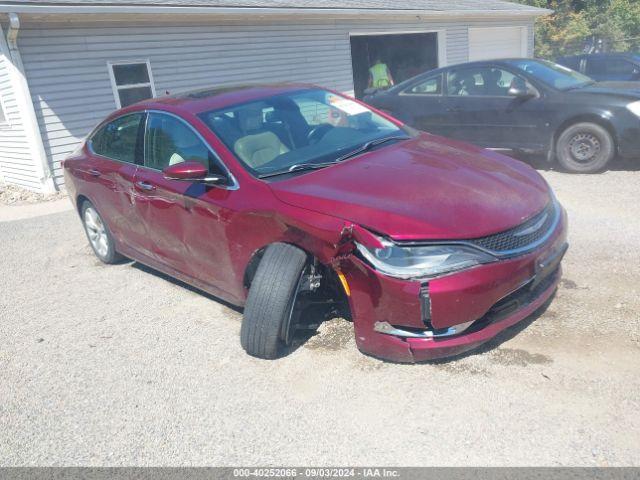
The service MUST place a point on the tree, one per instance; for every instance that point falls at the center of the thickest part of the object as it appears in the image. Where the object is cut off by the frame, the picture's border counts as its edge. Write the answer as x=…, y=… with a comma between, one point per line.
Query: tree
x=613, y=24
x=626, y=15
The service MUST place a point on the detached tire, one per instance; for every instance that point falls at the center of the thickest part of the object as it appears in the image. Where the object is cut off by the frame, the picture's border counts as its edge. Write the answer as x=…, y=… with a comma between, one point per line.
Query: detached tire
x=585, y=148
x=267, y=314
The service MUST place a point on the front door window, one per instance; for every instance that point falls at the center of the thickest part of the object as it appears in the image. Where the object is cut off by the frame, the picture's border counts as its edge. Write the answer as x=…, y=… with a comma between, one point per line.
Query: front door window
x=169, y=141
x=481, y=82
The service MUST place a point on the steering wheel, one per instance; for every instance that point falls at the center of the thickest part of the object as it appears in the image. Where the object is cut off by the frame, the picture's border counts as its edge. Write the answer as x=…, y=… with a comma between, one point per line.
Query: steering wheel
x=316, y=133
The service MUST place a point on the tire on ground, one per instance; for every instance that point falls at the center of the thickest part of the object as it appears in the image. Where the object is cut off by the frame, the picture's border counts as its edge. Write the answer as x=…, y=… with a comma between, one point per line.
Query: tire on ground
x=112, y=255
x=598, y=162
x=270, y=300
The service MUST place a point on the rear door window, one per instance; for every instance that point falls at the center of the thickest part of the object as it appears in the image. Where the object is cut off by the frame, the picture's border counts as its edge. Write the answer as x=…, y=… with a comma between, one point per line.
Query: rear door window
x=118, y=139
x=610, y=66
x=430, y=86
x=620, y=67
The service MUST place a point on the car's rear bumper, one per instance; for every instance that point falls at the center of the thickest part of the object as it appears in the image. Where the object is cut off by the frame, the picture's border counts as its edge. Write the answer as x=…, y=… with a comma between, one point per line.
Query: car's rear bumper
x=489, y=297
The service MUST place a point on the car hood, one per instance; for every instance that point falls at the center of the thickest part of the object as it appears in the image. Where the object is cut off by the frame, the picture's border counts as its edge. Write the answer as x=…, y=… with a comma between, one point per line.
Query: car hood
x=424, y=188
x=629, y=90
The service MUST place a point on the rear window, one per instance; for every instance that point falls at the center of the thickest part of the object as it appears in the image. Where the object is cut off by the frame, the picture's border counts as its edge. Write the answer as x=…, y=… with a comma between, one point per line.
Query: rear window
x=570, y=62
x=610, y=66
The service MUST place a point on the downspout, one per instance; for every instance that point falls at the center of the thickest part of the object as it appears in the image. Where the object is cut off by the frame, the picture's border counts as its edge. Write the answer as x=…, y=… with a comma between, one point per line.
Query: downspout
x=30, y=121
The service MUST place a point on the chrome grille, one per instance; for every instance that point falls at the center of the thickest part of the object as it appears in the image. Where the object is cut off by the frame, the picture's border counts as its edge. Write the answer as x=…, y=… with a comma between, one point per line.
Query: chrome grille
x=521, y=237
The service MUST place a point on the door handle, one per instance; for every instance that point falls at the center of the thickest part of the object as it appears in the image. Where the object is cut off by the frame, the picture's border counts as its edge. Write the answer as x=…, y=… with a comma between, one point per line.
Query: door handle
x=94, y=173
x=454, y=109
x=146, y=186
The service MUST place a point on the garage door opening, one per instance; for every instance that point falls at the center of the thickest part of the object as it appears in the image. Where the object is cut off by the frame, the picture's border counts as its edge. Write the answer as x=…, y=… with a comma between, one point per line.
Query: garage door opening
x=406, y=55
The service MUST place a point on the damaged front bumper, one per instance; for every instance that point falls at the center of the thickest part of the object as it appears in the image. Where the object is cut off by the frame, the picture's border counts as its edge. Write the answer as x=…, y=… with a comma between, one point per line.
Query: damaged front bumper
x=409, y=321
x=388, y=329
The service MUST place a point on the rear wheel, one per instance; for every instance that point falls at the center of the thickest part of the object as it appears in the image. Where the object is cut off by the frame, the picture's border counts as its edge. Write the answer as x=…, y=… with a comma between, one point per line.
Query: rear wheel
x=274, y=301
x=585, y=148
x=98, y=233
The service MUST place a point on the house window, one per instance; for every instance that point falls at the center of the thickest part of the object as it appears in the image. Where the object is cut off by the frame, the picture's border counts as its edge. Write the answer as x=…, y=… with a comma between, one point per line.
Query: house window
x=131, y=82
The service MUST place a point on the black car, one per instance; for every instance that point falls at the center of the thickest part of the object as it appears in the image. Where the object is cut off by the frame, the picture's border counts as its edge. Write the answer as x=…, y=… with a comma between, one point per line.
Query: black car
x=525, y=105
x=606, y=66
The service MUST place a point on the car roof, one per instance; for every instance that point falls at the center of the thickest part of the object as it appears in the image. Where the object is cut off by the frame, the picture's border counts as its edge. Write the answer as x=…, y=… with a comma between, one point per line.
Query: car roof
x=479, y=63
x=219, y=97
x=604, y=55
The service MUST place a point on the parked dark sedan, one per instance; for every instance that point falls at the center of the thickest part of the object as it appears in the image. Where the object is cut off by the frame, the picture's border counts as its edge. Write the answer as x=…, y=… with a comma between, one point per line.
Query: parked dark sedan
x=522, y=104
x=606, y=66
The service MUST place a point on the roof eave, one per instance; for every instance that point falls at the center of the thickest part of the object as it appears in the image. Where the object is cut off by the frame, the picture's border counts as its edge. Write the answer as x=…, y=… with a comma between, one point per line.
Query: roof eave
x=198, y=10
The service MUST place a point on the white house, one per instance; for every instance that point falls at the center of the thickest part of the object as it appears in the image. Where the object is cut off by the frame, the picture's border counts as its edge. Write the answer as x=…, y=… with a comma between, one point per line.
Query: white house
x=65, y=64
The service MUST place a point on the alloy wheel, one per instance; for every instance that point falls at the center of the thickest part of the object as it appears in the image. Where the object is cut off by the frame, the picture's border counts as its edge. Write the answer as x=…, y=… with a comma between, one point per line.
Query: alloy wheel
x=96, y=232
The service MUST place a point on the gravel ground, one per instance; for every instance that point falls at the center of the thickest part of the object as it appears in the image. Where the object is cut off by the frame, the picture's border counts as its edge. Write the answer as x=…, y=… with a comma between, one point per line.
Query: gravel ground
x=12, y=195
x=122, y=366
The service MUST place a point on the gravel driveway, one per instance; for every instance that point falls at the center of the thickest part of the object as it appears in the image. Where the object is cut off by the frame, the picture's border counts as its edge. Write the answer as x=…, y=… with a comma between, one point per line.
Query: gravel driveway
x=123, y=366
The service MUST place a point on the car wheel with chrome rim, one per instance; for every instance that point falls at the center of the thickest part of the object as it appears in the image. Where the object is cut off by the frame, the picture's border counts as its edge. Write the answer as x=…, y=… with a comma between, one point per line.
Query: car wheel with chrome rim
x=98, y=233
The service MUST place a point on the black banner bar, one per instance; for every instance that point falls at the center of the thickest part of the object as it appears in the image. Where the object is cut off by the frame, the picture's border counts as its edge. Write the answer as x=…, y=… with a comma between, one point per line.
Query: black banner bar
x=237, y=473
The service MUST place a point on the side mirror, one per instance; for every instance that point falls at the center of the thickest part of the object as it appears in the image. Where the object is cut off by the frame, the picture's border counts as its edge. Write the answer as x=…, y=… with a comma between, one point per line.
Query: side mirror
x=371, y=91
x=522, y=90
x=191, y=172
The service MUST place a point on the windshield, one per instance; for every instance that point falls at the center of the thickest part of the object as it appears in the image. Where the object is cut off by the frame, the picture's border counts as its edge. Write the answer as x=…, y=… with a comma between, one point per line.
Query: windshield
x=297, y=129
x=557, y=76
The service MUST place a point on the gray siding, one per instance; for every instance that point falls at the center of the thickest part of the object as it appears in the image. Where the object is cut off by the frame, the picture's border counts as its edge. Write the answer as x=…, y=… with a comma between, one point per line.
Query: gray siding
x=16, y=162
x=531, y=41
x=67, y=65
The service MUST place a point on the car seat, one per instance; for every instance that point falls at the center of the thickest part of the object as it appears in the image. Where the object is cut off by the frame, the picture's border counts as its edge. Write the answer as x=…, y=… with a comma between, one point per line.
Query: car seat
x=467, y=84
x=258, y=146
x=492, y=86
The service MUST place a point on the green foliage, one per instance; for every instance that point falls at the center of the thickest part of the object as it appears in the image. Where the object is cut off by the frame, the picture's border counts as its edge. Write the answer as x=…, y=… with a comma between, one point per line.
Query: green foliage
x=615, y=24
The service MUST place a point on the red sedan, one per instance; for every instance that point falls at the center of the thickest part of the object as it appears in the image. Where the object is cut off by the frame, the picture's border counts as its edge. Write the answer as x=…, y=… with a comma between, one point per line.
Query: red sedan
x=253, y=194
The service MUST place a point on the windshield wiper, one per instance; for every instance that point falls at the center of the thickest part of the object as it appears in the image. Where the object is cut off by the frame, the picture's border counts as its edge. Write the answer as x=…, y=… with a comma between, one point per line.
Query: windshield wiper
x=298, y=167
x=369, y=145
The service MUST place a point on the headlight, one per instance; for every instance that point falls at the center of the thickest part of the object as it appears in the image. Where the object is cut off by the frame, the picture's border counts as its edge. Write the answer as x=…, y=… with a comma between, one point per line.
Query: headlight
x=422, y=261
x=634, y=108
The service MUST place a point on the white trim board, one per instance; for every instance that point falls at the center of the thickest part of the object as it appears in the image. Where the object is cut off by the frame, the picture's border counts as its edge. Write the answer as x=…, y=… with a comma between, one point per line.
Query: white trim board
x=264, y=11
